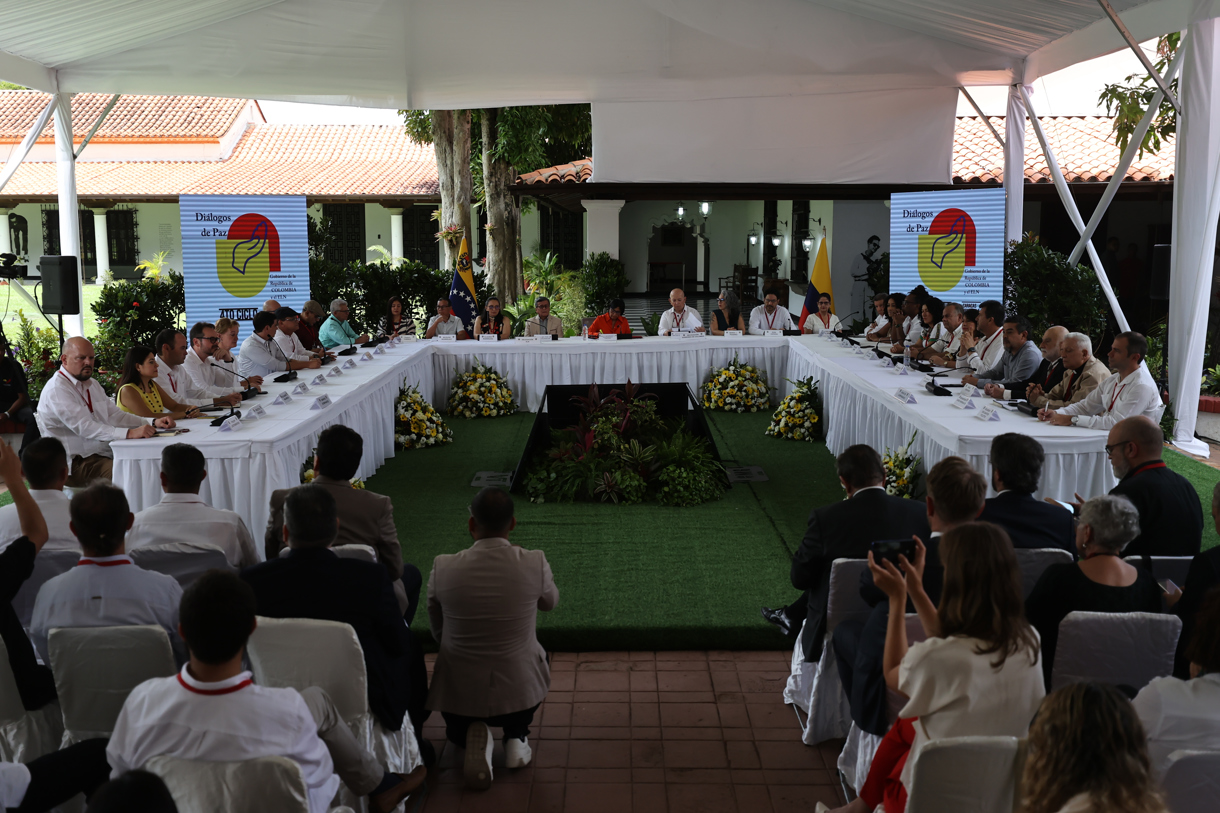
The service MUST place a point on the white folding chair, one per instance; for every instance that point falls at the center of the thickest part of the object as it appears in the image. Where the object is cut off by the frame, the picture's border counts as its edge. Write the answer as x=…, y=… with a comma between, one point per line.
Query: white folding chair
x=1192, y=782
x=302, y=652
x=814, y=688
x=979, y=774
x=1173, y=568
x=1033, y=561
x=185, y=561
x=96, y=668
x=24, y=735
x=1128, y=649
x=250, y=786
x=47, y=565
x=362, y=552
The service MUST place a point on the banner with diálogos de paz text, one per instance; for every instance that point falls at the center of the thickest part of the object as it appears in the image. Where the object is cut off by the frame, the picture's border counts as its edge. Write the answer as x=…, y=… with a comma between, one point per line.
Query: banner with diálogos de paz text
x=238, y=251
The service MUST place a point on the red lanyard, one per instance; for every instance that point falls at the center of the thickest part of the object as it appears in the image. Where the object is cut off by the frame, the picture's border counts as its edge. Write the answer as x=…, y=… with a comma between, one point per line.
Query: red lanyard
x=1049, y=372
x=1117, y=393
x=103, y=564
x=1067, y=396
x=679, y=316
x=825, y=319
x=213, y=692
x=771, y=318
x=172, y=385
x=990, y=342
x=87, y=397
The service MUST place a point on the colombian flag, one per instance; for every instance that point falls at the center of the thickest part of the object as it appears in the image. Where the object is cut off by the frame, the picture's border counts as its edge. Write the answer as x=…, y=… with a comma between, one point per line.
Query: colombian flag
x=461, y=290
x=819, y=283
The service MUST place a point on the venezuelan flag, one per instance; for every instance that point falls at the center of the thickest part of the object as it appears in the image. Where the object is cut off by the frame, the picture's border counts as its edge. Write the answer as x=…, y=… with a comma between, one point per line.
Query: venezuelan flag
x=461, y=290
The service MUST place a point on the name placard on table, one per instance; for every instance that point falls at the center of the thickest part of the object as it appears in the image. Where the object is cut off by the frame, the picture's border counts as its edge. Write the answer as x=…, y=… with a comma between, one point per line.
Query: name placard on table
x=904, y=395
x=301, y=388
x=445, y=337
x=351, y=365
x=489, y=337
x=774, y=333
x=607, y=337
x=283, y=398
x=380, y=349
x=334, y=372
x=367, y=355
x=736, y=333
x=965, y=398
x=231, y=424
x=991, y=412
x=255, y=412
x=318, y=380
x=321, y=402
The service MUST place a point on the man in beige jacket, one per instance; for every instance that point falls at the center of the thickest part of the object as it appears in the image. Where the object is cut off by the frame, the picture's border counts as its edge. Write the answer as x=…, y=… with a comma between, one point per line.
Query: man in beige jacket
x=1082, y=374
x=483, y=606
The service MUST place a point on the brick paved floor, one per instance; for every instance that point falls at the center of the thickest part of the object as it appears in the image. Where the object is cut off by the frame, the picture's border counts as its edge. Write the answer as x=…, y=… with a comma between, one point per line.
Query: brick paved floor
x=644, y=732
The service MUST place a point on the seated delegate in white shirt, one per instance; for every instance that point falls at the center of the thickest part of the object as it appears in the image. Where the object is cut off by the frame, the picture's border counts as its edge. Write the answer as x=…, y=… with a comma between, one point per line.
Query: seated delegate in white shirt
x=201, y=365
x=105, y=589
x=182, y=516
x=1130, y=391
x=679, y=317
x=260, y=355
x=881, y=321
x=46, y=468
x=177, y=382
x=770, y=315
x=822, y=318
x=445, y=323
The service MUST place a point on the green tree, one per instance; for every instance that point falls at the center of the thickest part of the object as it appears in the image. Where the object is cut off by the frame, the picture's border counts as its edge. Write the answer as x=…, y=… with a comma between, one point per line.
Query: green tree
x=1128, y=100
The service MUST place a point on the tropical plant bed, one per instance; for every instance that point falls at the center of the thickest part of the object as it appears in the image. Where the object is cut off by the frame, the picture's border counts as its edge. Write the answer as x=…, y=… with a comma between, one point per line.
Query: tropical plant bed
x=621, y=444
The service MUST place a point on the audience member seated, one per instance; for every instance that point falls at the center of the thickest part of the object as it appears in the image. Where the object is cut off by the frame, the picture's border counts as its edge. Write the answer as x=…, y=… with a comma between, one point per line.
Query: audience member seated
x=105, y=589
x=612, y=321
x=15, y=393
x=943, y=351
x=679, y=317
x=445, y=323
x=1130, y=391
x=45, y=465
x=1087, y=753
x=1050, y=371
x=881, y=320
x=54, y=778
x=311, y=319
x=976, y=674
x=365, y=517
x=1020, y=362
x=1171, y=518
x=1101, y=582
x=727, y=315
x=214, y=712
x=135, y=790
x=204, y=358
x=544, y=322
x=1016, y=469
x=261, y=356
x=843, y=530
x=982, y=347
x=1185, y=714
x=1081, y=375
x=483, y=604
x=770, y=315
x=337, y=330
x=1184, y=600
x=34, y=681
x=182, y=516
x=312, y=582
x=287, y=322
x=955, y=496
x=396, y=322
x=822, y=318
x=493, y=321
x=74, y=409
x=140, y=394
x=171, y=359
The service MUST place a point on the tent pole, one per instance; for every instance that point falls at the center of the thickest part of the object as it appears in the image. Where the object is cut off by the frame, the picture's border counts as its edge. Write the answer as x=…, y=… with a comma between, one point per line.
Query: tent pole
x=1014, y=159
x=23, y=148
x=69, y=204
x=92, y=130
x=982, y=115
x=1124, y=163
x=1065, y=196
x=1161, y=82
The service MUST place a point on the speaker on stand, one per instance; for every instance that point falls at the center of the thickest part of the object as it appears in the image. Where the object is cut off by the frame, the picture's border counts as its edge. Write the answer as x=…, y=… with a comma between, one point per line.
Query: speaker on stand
x=60, y=287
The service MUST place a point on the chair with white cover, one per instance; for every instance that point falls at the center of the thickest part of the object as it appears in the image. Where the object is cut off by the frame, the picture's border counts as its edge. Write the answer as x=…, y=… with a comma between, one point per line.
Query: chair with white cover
x=302, y=652
x=364, y=553
x=24, y=735
x=1127, y=649
x=979, y=774
x=96, y=668
x=185, y=561
x=1173, y=568
x=814, y=688
x=1033, y=561
x=1192, y=782
x=250, y=786
x=47, y=565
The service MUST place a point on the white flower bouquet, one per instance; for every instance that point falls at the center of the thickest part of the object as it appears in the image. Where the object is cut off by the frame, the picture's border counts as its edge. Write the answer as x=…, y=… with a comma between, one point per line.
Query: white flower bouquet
x=418, y=424
x=901, y=470
x=799, y=416
x=736, y=388
x=481, y=393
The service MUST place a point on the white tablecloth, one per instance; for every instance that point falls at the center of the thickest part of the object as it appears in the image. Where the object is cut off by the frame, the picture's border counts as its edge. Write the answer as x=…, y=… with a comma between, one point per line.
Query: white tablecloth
x=860, y=408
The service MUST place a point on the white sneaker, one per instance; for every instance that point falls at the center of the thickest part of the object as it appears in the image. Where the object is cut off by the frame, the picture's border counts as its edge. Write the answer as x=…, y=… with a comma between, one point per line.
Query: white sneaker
x=477, y=768
x=517, y=753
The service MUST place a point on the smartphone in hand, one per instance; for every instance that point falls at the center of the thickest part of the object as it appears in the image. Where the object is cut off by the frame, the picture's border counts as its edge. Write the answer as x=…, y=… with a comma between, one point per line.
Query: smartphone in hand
x=892, y=548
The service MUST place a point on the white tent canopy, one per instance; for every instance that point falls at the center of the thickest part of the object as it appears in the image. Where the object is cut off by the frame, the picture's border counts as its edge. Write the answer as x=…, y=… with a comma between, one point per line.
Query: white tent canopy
x=710, y=60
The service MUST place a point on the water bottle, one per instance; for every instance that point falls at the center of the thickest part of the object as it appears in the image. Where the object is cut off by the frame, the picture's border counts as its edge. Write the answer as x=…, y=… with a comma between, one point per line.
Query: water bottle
x=906, y=355
x=584, y=333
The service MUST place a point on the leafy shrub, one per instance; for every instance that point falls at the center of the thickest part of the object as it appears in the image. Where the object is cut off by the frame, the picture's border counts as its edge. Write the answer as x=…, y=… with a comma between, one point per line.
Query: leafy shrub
x=37, y=350
x=1211, y=381
x=602, y=278
x=651, y=323
x=144, y=306
x=1041, y=286
x=685, y=486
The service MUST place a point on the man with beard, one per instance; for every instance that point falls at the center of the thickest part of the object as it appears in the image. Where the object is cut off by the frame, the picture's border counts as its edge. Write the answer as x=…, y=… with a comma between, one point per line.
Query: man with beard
x=75, y=410
x=1020, y=361
x=1130, y=391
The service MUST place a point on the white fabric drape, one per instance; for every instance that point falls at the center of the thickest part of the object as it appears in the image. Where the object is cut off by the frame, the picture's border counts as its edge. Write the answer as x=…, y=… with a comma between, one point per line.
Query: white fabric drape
x=1014, y=165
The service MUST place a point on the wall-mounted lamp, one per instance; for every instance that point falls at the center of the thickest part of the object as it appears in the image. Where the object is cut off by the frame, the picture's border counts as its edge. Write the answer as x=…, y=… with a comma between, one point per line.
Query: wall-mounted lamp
x=777, y=237
x=705, y=207
x=807, y=244
x=681, y=210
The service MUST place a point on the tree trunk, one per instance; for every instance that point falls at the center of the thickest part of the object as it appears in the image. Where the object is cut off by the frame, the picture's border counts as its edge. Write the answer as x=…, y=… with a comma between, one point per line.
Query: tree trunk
x=451, y=141
x=503, y=217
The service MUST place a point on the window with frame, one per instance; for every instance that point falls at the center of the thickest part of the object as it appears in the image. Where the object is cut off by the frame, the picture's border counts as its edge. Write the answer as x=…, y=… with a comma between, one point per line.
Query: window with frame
x=347, y=232
x=561, y=233
x=50, y=235
x=419, y=241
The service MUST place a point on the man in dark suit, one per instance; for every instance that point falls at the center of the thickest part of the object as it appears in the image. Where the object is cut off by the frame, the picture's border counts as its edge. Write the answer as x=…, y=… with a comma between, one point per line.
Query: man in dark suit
x=955, y=496
x=1050, y=371
x=1171, y=516
x=365, y=518
x=312, y=582
x=843, y=530
x=1016, y=468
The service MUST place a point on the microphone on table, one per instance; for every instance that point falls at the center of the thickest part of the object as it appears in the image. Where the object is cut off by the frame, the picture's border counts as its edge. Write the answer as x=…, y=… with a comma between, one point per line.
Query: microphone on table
x=935, y=388
x=249, y=392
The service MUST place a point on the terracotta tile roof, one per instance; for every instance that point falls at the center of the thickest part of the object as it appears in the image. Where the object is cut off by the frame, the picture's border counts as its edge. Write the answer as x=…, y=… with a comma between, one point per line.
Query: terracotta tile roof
x=134, y=118
x=575, y=172
x=312, y=160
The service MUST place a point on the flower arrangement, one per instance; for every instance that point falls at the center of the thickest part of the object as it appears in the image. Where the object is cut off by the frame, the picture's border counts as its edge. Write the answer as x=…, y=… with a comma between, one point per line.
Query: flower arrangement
x=736, y=388
x=453, y=234
x=482, y=392
x=308, y=474
x=901, y=470
x=418, y=424
x=799, y=416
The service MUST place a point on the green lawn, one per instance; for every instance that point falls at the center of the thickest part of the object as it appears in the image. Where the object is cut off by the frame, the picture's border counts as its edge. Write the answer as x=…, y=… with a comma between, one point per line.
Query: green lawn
x=11, y=303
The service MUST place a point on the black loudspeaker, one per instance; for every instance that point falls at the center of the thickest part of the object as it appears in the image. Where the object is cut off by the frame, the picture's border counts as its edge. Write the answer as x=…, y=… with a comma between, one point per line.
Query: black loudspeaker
x=60, y=286
x=1160, y=271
